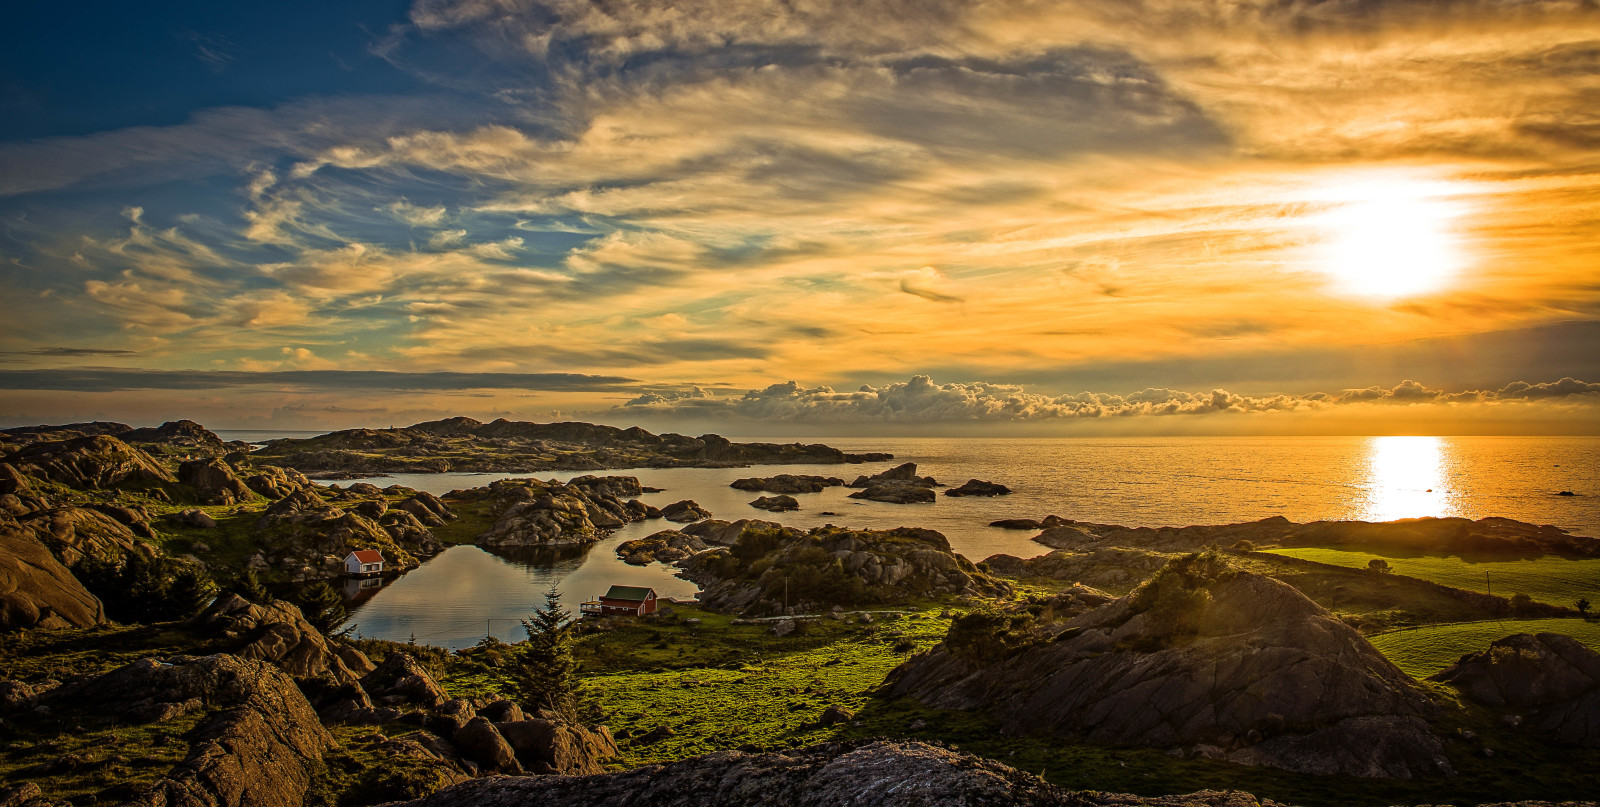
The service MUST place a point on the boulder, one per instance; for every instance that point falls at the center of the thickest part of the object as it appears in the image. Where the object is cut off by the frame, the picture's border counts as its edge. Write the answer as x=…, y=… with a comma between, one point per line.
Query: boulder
x=275, y=483
x=214, y=481
x=279, y=634
x=784, y=627
x=400, y=679
x=776, y=504
x=36, y=591
x=195, y=517
x=900, y=474
x=1017, y=524
x=684, y=512
x=1554, y=679
x=787, y=483
x=482, y=743
x=547, y=746
x=835, y=714
x=895, y=493
x=978, y=487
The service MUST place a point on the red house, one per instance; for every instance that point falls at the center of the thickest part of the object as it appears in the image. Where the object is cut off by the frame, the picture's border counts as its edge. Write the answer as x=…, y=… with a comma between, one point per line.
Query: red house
x=624, y=601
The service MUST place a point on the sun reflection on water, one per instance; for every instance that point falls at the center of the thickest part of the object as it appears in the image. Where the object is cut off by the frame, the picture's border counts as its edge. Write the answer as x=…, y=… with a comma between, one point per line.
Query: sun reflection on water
x=1405, y=479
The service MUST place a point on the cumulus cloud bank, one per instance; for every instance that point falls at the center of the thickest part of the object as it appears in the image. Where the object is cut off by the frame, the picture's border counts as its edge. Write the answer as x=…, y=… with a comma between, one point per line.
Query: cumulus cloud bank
x=921, y=400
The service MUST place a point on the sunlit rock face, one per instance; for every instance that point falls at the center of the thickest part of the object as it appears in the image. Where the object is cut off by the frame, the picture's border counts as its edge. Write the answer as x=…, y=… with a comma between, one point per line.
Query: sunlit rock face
x=1234, y=665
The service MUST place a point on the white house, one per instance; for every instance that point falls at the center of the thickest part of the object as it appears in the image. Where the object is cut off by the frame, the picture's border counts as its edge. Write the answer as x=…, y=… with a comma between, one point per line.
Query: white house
x=364, y=561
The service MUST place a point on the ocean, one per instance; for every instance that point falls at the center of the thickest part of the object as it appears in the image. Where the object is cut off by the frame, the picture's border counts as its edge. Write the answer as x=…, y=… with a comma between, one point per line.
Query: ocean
x=455, y=599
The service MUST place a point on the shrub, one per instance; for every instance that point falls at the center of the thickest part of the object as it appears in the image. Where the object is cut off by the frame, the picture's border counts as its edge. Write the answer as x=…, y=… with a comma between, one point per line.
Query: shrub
x=146, y=589
x=1173, y=599
x=1378, y=566
x=1521, y=604
x=987, y=637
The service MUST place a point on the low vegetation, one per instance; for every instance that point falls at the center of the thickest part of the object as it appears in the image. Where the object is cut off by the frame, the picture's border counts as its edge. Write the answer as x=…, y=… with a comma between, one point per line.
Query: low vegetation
x=1426, y=650
x=1548, y=579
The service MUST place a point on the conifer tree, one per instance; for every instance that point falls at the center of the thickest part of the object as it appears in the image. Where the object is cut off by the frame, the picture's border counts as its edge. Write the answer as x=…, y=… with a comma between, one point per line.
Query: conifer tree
x=544, y=675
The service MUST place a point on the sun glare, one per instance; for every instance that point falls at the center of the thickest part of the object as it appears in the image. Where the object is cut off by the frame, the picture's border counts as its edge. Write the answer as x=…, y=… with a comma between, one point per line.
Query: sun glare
x=1406, y=478
x=1390, y=238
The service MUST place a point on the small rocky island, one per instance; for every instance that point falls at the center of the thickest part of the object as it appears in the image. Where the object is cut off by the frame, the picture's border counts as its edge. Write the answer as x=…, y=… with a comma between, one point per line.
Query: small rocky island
x=508, y=446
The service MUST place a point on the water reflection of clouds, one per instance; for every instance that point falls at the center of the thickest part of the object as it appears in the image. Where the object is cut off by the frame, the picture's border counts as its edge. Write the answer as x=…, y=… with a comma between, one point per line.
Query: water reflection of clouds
x=457, y=598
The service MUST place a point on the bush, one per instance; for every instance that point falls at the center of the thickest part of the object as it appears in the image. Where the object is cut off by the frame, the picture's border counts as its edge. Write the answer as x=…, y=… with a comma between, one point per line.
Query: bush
x=1378, y=566
x=1521, y=604
x=146, y=589
x=987, y=637
x=1174, y=598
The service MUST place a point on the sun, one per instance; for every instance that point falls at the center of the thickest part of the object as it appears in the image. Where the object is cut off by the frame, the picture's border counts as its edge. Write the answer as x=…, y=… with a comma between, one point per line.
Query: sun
x=1390, y=238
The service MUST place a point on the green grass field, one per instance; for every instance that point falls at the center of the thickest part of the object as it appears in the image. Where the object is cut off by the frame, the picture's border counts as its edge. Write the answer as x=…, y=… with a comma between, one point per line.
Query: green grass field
x=1552, y=580
x=1424, y=651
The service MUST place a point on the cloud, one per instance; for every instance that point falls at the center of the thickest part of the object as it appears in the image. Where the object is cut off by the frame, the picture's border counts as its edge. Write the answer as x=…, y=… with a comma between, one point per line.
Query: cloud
x=99, y=379
x=921, y=400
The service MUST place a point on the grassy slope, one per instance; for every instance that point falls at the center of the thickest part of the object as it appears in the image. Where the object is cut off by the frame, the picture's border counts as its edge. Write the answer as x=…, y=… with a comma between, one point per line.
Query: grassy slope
x=1426, y=650
x=1554, y=580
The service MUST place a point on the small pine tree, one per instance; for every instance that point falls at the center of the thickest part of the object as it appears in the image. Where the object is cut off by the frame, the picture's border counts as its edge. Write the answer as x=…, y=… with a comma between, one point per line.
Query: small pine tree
x=250, y=587
x=544, y=675
x=322, y=606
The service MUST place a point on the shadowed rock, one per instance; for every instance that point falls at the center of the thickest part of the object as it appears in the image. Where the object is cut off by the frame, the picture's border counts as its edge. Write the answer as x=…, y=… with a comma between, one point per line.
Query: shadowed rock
x=262, y=747
x=1553, y=677
x=787, y=483
x=978, y=487
x=1201, y=655
x=776, y=504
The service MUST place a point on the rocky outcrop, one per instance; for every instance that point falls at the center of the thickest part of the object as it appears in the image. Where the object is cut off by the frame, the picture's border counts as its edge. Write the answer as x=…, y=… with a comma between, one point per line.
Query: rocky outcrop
x=833, y=566
x=905, y=473
x=273, y=482
x=504, y=446
x=73, y=532
x=89, y=462
x=548, y=746
x=787, y=483
x=400, y=679
x=214, y=481
x=1202, y=657
x=895, y=493
x=36, y=591
x=178, y=433
x=261, y=746
x=17, y=497
x=547, y=514
x=725, y=533
x=1552, y=678
x=978, y=487
x=279, y=634
x=862, y=773
x=1488, y=537
x=308, y=536
x=776, y=504
x=1111, y=568
x=667, y=546
x=684, y=512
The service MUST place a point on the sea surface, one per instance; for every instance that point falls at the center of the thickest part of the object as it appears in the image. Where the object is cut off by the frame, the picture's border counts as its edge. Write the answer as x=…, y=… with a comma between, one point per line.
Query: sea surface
x=464, y=593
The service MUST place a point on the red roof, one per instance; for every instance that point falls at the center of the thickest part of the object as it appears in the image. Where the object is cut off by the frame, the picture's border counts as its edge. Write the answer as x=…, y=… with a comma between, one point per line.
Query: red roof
x=368, y=556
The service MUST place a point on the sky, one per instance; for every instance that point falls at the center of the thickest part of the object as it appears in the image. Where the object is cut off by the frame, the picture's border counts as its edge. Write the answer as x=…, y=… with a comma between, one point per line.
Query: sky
x=806, y=216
